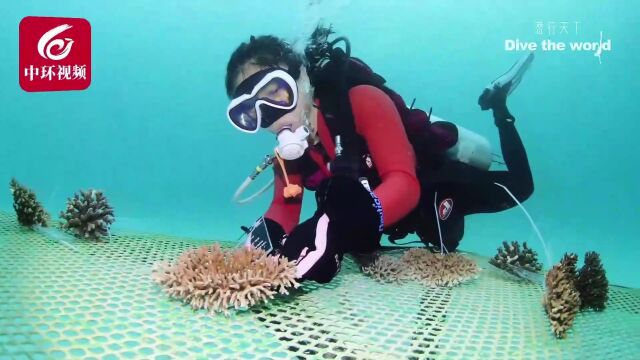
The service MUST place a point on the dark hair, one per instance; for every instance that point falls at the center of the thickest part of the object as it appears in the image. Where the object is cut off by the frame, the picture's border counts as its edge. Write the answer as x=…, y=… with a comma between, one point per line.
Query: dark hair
x=266, y=50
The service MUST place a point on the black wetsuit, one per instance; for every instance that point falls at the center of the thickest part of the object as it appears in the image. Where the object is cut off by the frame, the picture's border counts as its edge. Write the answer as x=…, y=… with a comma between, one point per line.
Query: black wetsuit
x=456, y=189
x=349, y=216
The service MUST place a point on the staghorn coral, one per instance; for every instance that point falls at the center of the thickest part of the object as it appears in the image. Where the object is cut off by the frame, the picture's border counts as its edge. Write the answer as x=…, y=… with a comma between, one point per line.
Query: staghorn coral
x=592, y=283
x=511, y=254
x=439, y=269
x=28, y=209
x=569, y=262
x=422, y=265
x=88, y=215
x=218, y=280
x=386, y=269
x=561, y=300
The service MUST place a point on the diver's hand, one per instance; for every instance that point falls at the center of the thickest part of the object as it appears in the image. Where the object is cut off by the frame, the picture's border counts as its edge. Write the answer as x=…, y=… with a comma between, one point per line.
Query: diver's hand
x=404, y=227
x=267, y=235
x=348, y=219
x=355, y=210
x=313, y=244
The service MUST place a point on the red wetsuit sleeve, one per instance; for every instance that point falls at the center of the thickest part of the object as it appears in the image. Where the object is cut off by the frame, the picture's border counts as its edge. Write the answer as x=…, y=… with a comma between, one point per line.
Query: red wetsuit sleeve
x=285, y=212
x=378, y=121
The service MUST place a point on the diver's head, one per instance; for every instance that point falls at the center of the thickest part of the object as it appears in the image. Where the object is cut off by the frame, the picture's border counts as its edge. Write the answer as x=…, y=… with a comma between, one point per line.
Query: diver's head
x=268, y=86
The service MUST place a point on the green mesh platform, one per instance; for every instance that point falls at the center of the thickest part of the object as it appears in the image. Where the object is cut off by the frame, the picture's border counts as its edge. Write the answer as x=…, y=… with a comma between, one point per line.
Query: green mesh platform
x=99, y=303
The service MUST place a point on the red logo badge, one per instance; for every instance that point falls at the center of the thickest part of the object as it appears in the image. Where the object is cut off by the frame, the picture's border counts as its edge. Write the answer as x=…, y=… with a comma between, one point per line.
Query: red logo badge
x=55, y=54
x=444, y=210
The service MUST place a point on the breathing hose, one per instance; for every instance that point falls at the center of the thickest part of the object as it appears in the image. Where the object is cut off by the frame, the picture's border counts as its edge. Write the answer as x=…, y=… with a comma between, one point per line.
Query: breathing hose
x=268, y=160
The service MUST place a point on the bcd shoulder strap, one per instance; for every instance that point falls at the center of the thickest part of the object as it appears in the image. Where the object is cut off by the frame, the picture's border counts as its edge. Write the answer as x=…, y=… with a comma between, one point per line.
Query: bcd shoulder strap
x=332, y=85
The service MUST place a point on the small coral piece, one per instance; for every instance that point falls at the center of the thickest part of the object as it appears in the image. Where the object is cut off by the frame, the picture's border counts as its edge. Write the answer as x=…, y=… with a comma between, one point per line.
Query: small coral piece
x=219, y=280
x=386, y=269
x=419, y=264
x=510, y=255
x=562, y=300
x=88, y=215
x=30, y=212
x=433, y=270
x=569, y=262
x=592, y=283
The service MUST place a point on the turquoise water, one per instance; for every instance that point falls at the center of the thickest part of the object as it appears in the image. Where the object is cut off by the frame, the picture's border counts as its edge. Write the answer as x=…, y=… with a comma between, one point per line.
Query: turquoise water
x=151, y=132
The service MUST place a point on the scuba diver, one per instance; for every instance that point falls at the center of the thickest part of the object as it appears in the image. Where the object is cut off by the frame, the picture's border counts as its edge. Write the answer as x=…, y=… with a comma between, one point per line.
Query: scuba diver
x=376, y=165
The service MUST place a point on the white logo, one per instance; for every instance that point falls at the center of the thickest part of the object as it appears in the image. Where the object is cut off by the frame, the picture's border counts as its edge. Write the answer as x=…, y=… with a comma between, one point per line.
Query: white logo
x=368, y=161
x=47, y=40
x=444, y=210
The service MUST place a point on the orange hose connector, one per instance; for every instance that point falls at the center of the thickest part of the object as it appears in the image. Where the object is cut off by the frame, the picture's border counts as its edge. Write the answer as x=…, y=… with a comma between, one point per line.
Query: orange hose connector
x=291, y=190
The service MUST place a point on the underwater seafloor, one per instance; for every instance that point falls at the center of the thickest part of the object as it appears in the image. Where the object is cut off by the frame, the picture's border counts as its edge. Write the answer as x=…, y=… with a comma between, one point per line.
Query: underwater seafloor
x=99, y=302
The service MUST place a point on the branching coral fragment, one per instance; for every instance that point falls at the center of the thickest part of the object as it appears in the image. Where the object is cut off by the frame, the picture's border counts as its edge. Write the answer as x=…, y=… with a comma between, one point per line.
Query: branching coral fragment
x=562, y=300
x=386, y=269
x=592, y=283
x=219, y=280
x=569, y=262
x=421, y=265
x=439, y=269
x=28, y=209
x=510, y=256
x=88, y=215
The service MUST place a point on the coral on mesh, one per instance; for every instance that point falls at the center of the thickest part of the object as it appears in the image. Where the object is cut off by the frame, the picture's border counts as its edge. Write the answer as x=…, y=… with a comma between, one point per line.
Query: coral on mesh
x=386, y=269
x=28, y=209
x=569, y=262
x=88, y=215
x=510, y=255
x=419, y=264
x=365, y=259
x=219, y=280
x=592, y=283
x=561, y=300
x=439, y=269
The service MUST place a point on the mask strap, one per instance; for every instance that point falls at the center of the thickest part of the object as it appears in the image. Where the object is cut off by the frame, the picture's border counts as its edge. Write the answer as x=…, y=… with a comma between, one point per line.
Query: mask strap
x=291, y=190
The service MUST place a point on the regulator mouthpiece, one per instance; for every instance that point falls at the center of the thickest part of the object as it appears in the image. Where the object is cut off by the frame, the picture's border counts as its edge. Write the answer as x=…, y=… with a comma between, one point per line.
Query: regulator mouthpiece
x=292, y=144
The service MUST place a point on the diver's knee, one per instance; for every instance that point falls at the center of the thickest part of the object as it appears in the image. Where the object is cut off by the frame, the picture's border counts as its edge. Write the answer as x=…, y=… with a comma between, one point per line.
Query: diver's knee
x=518, y=192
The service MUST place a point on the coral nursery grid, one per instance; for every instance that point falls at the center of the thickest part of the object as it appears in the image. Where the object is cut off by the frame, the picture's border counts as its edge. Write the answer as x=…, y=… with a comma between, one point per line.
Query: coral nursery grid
x=100, y=302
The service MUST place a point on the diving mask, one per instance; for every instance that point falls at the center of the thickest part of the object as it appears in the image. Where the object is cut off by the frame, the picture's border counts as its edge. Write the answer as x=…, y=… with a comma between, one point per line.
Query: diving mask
x=262, y=99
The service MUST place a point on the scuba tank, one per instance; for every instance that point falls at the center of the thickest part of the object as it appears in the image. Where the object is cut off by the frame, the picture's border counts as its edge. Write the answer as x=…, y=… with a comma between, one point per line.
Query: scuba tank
x=334, y=71
x=461, y=144
x=472, y=149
